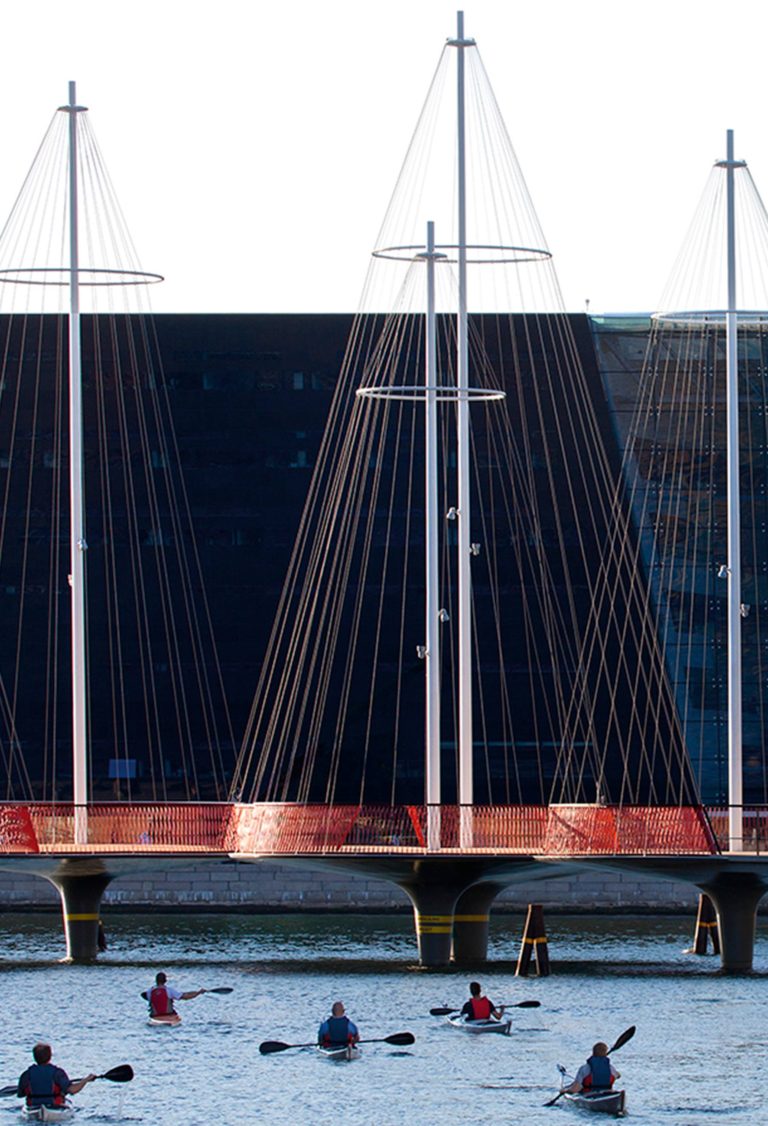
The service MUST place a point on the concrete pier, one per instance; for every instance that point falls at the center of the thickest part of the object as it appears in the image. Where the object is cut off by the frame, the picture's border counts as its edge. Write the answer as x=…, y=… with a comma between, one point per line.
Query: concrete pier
x=471, y=922
x=81, y=890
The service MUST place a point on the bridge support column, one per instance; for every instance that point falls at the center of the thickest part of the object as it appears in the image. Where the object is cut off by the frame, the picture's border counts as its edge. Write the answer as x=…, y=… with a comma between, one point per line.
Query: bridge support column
x=471, y=923
x=80, y=901
x=433, y=908
x=736, y=905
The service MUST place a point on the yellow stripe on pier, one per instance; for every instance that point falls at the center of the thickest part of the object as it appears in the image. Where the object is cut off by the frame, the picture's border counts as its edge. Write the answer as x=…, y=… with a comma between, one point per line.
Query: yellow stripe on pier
x=434, y=924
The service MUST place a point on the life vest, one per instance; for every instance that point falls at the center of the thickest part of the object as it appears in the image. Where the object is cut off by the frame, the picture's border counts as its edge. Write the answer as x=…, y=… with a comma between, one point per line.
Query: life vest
x=481, y=1008
x=41, y=1086
x=601, y=1075
x=159, y=1002
x=338, y=1032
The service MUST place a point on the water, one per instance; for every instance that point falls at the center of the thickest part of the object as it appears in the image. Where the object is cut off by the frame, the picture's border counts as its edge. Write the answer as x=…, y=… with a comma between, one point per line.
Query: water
x=693, y=1025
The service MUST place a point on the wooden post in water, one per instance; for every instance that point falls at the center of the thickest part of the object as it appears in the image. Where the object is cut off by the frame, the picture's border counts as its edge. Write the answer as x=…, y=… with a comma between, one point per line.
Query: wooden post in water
x=706, y=927
x=534, y=943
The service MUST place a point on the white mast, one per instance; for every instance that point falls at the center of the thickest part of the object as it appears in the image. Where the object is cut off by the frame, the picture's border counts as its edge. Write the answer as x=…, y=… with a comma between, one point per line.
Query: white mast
x=432, y=655
x=465, y=735
x=77, y=533
x=735, y=781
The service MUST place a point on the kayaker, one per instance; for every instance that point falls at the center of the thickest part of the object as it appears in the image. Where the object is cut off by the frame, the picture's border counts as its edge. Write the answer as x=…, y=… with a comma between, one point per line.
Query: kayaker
x=162, y=995
x=479, y=1007
x=44, y=1084
x=597, y=1073
x=337, y=1030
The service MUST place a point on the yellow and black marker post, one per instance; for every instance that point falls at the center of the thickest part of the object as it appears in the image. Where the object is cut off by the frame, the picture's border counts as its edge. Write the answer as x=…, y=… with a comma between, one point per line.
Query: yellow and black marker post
x=706, y=927
x=534, y=944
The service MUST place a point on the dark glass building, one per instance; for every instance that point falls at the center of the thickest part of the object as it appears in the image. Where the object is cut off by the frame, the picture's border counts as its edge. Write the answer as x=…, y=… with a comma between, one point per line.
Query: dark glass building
x=249, y=397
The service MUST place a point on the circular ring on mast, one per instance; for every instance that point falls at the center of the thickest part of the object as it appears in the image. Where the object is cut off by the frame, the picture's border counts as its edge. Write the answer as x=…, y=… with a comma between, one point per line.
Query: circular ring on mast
x=745, y=318
x=86, y=275
x=501, y=254
x=442, y=394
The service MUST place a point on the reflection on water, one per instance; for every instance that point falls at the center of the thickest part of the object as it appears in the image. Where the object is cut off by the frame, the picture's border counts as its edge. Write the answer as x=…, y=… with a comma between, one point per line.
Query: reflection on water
x=286, y=970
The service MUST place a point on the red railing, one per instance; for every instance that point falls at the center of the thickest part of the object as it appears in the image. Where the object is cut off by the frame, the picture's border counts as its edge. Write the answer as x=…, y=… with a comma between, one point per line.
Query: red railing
x=563, y=830
x=115, y=827
x=284, y=828
x=279, y=828
x=628, y=831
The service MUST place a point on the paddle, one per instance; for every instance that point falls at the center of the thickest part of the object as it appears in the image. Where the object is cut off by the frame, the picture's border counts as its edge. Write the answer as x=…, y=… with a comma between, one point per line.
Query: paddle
x=218, y=989
x=514, y=1005
x=121, y=1074
x=622, y=1040
x=398, y=1038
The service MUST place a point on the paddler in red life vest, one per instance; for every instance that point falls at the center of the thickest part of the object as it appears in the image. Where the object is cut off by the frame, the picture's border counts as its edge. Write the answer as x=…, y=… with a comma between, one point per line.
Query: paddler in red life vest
x=598, y=1073
x=479, y=1007
x=337, y=1030
x=44, y=1084
x=162, y=995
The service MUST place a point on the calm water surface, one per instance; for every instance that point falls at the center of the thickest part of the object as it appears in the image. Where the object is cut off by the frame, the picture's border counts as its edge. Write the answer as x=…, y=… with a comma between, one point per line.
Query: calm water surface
x=693, y=1026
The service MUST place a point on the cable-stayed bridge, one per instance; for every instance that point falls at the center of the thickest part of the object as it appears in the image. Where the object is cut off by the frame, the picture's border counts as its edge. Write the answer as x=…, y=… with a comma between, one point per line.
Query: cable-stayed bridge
x=501, y=646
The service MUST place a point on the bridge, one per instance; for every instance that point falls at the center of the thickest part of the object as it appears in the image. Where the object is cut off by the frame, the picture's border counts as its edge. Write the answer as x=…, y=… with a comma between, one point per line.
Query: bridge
x=452, y=885
x=513, y=624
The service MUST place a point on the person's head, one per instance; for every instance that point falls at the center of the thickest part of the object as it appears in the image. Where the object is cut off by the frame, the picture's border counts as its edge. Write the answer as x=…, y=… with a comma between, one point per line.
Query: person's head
x=338, y=1009
x=161, y=979
x=42, y=1053
x=600, y=1049
x=474, y=988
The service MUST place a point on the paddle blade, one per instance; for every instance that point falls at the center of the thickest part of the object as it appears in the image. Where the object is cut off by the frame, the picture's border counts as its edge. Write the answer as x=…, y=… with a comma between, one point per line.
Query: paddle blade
x=9, y=1090
x=557, y=1097
x=221, y=989
x=625, y=1036
x=400, y=1038
x=121, y=1074
x=441, y=1012
x=524, y=1005
x=267, y=1047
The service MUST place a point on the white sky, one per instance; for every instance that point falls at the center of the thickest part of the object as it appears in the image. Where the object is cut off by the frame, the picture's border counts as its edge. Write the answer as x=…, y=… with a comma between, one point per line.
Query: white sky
x=254, y=146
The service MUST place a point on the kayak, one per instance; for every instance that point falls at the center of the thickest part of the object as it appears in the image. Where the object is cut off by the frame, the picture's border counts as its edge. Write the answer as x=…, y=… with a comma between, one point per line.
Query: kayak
x=48, y=1113
x=170, y=1020
x=502, y=1026
x=603, y=1102
x=344, y=1052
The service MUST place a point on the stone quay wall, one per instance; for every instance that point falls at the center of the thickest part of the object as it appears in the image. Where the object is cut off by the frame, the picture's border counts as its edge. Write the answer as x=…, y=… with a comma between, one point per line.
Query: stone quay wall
x=273, y=887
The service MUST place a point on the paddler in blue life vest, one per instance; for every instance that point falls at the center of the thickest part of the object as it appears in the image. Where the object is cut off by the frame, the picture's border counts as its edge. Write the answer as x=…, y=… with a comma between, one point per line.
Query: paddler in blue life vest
x=337, y=1030
x=598, y=1073
x=162, y=995
x=44, y=1084
x=479, y=1007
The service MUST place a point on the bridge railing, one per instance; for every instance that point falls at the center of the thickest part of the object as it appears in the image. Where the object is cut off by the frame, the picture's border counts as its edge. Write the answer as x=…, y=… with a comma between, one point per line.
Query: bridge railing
x=555, y=830
x=754, y=828
x=41, y=827
x=284, y=828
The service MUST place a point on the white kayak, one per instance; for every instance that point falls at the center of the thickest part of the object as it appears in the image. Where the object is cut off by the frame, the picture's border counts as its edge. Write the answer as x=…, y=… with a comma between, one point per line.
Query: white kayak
x=601, y=1102
x=344, y=1052
x=48, y=1113
x=170, y=1020
x=489, y=1025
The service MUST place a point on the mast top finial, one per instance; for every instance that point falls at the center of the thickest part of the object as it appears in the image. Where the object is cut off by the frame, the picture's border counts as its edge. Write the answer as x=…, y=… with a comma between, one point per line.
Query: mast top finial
x=460, y=41
x=72, y=106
